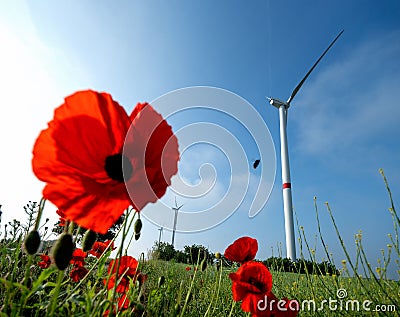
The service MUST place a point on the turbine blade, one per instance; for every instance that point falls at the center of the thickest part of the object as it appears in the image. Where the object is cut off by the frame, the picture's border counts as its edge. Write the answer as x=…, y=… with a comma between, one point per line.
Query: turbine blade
x=295, y=91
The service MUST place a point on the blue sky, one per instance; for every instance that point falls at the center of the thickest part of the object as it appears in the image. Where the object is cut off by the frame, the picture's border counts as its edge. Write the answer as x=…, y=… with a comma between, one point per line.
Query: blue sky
x=342, y=126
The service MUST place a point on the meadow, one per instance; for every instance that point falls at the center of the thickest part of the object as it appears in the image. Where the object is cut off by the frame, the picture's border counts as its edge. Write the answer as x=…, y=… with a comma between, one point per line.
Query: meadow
x=43, y=281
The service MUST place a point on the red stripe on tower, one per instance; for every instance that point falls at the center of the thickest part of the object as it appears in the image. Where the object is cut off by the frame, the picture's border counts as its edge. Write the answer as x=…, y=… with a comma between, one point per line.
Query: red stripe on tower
x=287, y=185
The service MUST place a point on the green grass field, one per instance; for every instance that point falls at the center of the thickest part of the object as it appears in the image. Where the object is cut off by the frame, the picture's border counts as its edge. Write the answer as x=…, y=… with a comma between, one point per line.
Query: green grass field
x=172, y=289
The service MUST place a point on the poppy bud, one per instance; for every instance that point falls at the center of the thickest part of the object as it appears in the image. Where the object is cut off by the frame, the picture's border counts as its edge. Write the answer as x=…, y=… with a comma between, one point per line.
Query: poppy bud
x=177, y=309
x=218, y=255
x=203, y=264
x=89, y=239
x=137, y=226
x=27, y=282
x=161, y=280
x=137, y=236
x=189, y=296
x=139, y=307
x=32, y=242
x=62, y=251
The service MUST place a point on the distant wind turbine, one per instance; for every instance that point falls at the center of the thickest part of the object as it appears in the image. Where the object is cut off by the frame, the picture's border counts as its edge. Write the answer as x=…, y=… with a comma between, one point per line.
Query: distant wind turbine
x=176, y=210
x=159, y=236
x=286, y=184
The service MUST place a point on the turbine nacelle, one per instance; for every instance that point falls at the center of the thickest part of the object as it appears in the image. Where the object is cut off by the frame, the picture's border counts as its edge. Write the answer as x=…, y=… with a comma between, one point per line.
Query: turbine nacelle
x=278, y=103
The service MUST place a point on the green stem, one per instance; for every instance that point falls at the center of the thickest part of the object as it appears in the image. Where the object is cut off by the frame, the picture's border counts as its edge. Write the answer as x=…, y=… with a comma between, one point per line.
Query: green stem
x=216, y=289
x=53, y=303
x=232, y=307
x=40, y=212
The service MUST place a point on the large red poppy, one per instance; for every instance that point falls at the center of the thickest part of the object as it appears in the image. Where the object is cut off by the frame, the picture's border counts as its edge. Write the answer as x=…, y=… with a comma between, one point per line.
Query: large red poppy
x=242, y=250
x=97, y=160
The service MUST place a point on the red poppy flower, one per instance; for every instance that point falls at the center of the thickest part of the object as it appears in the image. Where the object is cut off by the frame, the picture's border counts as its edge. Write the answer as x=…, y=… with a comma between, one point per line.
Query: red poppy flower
x=188, y=268
x=46, y=261
x=250, y=284
x=290, y=308
x=78, y=257
x=93, y=155
x=62, y=218
x=98, y=248
x=128, y=266
x=78, y=272
x=242, y=250
x=122, y=286
x=123, y=302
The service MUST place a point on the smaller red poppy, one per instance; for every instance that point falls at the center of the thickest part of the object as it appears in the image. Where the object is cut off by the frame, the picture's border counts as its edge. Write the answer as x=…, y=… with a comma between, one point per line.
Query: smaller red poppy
x=188, y=268
x=99, y=248
x=78, y=257
x=127, y=265
x=291, y=308
x=78, y=272
x=46, y=261
x=250, y=284
x=242, y=250
x=122, y=286
x=123, y=302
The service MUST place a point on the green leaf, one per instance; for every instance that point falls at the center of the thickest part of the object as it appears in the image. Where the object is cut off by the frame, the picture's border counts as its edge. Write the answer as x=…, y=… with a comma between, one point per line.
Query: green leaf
x=42, y=277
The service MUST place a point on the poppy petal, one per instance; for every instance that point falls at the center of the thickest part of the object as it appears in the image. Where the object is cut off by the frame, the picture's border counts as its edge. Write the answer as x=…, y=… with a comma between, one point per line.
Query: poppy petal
x=154, y=151
x=242, y=250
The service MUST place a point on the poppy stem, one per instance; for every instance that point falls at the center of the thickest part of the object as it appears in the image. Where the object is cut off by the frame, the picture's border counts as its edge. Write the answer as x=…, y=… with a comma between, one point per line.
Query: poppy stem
x=40, y=212
x=95, y=265
x=53, y=303
x=232, y=307
x=121, y=247
x=190, y=287
x=216, y=289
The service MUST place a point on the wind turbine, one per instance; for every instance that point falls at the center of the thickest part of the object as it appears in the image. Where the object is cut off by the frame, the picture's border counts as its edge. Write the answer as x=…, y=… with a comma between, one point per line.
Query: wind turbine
x=286, y=184
x=159, y=236
x=176, y=209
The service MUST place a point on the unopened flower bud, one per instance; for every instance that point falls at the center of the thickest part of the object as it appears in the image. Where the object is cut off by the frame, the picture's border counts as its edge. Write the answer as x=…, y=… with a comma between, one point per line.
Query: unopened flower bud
x=203, y=264
x=32, y=242
x=139, y=307
x=62, y=251
x=161, y=280
x=177, y=309
x=218, y=255
x=138, y=226
x=27, y=282
x=89, y=239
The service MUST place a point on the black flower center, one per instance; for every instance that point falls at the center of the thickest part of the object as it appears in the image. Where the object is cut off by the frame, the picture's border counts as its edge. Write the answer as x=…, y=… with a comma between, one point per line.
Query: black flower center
x=256, y=283
x=118, y=167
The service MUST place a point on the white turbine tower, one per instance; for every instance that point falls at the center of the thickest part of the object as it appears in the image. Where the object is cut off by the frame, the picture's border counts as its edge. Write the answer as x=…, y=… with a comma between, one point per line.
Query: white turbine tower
x=286, y=184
